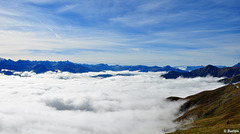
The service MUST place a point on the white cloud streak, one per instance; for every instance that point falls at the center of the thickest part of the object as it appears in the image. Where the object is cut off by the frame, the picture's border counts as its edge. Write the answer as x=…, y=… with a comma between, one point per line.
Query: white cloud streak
x=59, y=103
x=119, y=26
x=57, y=36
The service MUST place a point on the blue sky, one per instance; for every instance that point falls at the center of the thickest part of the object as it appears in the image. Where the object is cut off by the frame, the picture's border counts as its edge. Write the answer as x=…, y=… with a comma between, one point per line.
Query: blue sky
x=126, y=32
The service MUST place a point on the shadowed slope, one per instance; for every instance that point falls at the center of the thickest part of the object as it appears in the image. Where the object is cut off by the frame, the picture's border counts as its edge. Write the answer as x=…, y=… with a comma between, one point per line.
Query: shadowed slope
x=230, y=80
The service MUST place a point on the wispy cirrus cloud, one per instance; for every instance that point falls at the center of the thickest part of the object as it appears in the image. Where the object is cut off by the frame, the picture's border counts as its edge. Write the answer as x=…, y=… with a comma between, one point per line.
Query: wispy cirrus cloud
x=150, y=26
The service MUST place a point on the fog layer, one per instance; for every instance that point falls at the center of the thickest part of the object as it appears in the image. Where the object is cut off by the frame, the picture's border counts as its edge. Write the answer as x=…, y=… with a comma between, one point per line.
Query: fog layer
x=60, y=103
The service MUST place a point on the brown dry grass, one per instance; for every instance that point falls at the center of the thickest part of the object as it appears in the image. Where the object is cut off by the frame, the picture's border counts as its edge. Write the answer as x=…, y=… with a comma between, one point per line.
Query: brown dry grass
x=217, y=110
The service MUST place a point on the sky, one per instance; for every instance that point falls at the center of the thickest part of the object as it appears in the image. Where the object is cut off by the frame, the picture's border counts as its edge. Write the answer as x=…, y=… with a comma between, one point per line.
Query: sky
x=67, y=103
x=125, y=32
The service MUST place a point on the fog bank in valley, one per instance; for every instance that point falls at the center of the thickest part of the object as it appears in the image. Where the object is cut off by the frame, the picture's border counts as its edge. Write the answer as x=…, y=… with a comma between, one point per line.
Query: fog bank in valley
x=60, y=103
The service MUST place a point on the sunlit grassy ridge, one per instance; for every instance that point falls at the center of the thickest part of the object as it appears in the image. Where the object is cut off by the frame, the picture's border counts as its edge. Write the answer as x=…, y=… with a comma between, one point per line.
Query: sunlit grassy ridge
x=214, y=111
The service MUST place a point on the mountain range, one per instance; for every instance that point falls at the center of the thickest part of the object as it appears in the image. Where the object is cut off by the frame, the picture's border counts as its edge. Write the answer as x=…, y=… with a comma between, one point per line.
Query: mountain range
x=44, y=66
x=209, y=70
x=7, y=67
x=140, y=68
x=191, y=68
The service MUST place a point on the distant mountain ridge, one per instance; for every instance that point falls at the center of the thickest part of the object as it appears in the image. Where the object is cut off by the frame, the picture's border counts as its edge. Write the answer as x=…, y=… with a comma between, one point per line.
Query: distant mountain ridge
x=173, y=72
x=44, y=66
x=191, y=68
x=205, y=71
x=140, y=68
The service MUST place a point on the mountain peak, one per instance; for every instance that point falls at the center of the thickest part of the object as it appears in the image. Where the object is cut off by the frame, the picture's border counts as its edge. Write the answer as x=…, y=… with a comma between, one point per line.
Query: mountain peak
x=237, y=65
x=211, y=67
x=168, y=66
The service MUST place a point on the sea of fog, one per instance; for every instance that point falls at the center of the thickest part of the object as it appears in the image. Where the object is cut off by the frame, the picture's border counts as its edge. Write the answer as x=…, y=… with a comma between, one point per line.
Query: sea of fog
x=66, y=103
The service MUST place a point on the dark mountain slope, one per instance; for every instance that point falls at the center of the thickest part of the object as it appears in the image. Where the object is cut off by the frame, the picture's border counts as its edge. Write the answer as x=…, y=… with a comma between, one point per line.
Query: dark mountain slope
x=39, y=68
x=70, y=67
x=215, y=110
x=237, y=65
x=203, y=72
x=231, y=80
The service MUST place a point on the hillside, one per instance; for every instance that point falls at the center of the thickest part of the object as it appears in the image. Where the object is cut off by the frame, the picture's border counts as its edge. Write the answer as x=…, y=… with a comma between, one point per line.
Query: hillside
x=205, y=71
x=213, y=111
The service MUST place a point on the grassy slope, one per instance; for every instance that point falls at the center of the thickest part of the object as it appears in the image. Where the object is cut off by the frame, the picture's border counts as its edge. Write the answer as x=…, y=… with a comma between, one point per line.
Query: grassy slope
x=216, y=110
